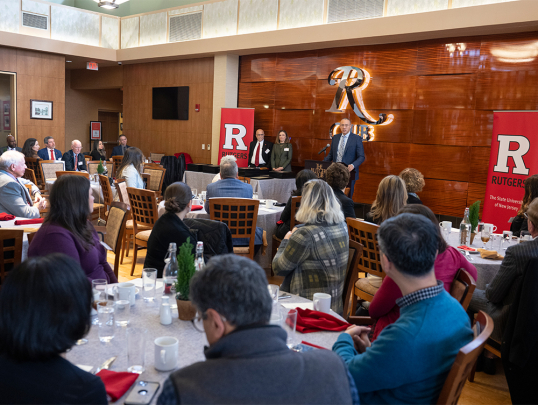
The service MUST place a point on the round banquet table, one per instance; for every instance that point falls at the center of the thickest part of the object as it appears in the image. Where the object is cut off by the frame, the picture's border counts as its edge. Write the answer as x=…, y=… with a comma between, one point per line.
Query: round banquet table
x=11, y=225
x=486, y=268
x=191, y=342
x=96, y=190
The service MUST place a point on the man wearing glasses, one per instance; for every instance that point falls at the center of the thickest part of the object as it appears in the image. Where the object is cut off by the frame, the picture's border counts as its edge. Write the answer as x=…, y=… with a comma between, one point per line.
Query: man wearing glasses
x=247, y=359
x=74, y=160
x=260, y=151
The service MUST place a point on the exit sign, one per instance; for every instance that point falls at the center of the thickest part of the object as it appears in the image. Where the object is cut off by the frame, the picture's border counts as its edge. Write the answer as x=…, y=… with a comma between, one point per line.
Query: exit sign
x=92, y=66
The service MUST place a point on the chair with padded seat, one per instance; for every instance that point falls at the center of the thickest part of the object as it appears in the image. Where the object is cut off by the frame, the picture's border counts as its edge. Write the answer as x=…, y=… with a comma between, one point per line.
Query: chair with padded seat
x=156, y=156
x=35, y=165
x=465, y=360
x=155, y=182
x=92, y=166
x=114, y=229
x=11, y=251
x=116, y=162
x=49, y=169
x=240, y=215
x=144, y=210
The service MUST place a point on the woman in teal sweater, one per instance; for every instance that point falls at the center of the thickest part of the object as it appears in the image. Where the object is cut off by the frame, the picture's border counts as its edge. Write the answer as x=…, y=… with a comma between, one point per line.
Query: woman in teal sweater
x=282, y=152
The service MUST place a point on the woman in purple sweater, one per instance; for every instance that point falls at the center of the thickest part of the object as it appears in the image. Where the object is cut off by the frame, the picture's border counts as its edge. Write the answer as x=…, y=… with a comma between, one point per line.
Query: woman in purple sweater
x=66, y=228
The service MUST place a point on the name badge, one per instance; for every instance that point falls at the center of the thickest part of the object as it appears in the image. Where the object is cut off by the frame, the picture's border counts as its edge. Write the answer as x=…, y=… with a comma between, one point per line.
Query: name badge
x=286, y=149
x=267, y=151
x=80, y=163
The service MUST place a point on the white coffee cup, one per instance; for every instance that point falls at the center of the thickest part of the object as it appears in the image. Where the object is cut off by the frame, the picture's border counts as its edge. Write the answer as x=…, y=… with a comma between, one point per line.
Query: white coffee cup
x=127, y=291
x=269, y=203
x=166, y=353
x=446, y=225
x=197, y=201
x=322, y=302
x=490, y=228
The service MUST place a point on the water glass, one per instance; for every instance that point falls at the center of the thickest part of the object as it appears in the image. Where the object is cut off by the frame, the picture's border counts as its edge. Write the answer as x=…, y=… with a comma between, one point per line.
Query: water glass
x=290, y=326
x=194, y=192
x=122, y=310
x=136, y=349
x=105, y=314
x=149, y=282
x=273, y=291
x=255, y=196
x=497, y=243
x=507, y=239
x=465, y=234
x=485, y=236
x=99, y=286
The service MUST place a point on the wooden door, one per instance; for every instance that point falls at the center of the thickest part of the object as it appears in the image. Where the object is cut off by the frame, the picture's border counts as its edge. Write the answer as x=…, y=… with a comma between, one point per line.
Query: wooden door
x=111, y=129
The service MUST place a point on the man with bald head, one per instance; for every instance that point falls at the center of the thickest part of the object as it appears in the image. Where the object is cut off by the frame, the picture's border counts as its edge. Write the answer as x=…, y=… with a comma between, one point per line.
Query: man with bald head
x=259, y=154
x=74, y=160
x=11, y=145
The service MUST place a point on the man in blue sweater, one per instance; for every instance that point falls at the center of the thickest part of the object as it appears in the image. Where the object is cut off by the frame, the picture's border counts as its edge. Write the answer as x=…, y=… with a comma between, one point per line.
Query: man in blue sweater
x=410, y=360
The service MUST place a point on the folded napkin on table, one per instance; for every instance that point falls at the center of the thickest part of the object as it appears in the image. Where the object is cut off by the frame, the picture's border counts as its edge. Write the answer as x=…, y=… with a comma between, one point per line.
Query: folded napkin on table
x=490, y=254
x=117, y=383
x=6, y=217
x=313, y=321
x=196, y=207
x=29, y=221
x=467, y=248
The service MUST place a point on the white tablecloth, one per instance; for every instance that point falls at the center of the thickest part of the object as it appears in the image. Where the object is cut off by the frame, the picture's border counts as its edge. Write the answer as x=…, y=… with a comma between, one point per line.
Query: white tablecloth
x=11, y=225
x=198, y=180
x=274, y=189
x=191, y=342
x=96, y=190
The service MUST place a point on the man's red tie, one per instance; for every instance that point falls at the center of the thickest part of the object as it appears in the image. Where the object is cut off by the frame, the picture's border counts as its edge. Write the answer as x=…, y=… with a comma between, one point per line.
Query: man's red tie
x=76, y=162
x=52, y=154
x=257, y=158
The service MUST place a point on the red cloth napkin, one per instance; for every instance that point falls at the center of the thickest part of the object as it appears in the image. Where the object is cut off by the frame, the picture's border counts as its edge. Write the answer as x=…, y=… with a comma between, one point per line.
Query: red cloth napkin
x=469, y=249
x=197, y=207
x=29, y=221
x=6, y=217
x=313, y=321
x=117, y=384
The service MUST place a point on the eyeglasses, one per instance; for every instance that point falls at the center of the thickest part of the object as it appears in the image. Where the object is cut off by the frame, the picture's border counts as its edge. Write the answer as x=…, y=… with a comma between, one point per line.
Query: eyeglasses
x=526, y=216
x=198, y=321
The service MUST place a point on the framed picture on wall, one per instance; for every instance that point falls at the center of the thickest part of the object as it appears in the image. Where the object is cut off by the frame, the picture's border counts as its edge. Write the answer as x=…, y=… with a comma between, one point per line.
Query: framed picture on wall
x=95, y=130
x=40, y=110
x=7, y=123
x=6, y=107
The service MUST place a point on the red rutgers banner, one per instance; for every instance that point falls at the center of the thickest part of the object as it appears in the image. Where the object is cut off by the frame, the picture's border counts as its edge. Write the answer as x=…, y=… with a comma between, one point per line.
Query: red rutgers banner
x=236, y=133
x=513, y=158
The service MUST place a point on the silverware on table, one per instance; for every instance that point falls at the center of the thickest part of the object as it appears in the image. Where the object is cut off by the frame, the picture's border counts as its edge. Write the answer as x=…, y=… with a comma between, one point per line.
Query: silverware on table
x=468, y=256
x=106, y=364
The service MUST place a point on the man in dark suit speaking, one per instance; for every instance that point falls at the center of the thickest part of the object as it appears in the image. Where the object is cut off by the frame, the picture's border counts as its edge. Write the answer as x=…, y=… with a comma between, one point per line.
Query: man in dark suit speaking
x=347, y=148
x=259, y=154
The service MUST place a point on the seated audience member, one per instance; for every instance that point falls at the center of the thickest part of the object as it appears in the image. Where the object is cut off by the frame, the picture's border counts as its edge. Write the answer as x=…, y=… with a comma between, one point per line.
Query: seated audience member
x=414, y=183
x=244, y=349
x=391, y=196
x=11, y=145
x=74, y=160
x=49, y=152
x=67, y=228
x=119, y=150
x=98, y=151
x=412, y=357
x=282, y=152
x=449, y=260
x=337, y=177
x=499, y=295
x=313, y=257
x=259, y=152
x=30, y=148
x=170, y=227
x=283, y=225
x=14, y=196
x=230, y=158
x=131, y=168
x=46, y=304
x=519, y=222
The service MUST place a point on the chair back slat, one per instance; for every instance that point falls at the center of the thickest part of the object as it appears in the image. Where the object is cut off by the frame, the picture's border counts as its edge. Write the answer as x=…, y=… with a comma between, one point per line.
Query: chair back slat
x=116, y=162
x=108, y=198
x=366, y=234
x=462, y=288
x=143, y=207
x=11, y=251
x=295, y=203
x=50, y=167
x=115, y=225
x=465, y=360
x=239, y=214
x=34, y=164
x=63, y=173
x=352, y=275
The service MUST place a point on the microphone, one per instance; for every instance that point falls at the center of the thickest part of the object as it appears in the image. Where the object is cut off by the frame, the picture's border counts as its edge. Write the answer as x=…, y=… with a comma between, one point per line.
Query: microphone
x=324, y=149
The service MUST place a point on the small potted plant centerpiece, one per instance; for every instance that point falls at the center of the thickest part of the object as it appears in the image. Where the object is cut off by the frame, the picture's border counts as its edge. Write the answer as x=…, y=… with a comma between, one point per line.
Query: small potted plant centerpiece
x=100, y=168
x=474, y=209
x=185, y=261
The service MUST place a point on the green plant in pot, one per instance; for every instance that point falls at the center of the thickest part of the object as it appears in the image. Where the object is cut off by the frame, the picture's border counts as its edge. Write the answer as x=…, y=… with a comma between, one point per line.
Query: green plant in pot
x=185, y=261
x=474, y=210
x=100, y=168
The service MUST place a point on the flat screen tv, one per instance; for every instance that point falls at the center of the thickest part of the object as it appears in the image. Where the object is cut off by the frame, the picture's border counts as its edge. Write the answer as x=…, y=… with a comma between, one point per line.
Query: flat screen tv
x=171, y=103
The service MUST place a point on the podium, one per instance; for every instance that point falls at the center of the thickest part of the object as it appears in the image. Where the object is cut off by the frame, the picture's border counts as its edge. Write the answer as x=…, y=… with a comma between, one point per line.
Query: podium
x=320, y=168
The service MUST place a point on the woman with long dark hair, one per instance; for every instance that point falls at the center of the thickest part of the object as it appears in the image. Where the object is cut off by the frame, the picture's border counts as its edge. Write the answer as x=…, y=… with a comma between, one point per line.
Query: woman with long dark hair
x=46, y=304
x=98, y=151
x=30, y=148
x=67, y=228
x=131, y=168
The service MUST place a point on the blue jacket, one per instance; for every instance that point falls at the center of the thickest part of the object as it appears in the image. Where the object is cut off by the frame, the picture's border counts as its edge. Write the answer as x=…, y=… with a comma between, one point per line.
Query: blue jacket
x=232, y=188
x=353, y=153
x=45, y=154
x=117, y=151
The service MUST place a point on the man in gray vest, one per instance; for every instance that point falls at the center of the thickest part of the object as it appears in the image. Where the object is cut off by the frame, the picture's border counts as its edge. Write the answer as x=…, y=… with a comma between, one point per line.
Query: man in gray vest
x=248, y=360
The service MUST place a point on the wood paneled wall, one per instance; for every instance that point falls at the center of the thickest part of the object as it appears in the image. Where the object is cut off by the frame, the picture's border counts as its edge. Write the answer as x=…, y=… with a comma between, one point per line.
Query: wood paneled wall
x=443, y=106
x=40, y=76
x=169, y=136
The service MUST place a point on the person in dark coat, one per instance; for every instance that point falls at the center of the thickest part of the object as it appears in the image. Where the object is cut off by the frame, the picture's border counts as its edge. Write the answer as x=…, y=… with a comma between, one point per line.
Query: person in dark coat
x=337, y=177
x=170, y=227
x=414, y=183
x=519, y=223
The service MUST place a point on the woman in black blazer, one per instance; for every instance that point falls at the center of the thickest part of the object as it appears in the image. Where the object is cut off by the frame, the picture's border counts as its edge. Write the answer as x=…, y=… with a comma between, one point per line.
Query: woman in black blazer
x=170, y=227
x=414, y=183
x=337, y=177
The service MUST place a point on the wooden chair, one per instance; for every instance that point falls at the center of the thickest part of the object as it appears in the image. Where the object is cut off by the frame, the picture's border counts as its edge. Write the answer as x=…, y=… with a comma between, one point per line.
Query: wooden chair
x=11, y=247
x=35, y=165
x=92, y=166
x=370, y=262
x=462, y=288
x=87, y=158
x=144, y=211
x=128, y=235
x=245, y=179
x=108, y=198
x=62, y=173
x=295, y=203
x=155, y=182
x=50, y=167
x=113, y=232
x=465, y=360
x=29, y=174
x=352, y=275
x=29, y=188
x=30, y=237
x=116, y=162
x=241, y=215
x=156, y=156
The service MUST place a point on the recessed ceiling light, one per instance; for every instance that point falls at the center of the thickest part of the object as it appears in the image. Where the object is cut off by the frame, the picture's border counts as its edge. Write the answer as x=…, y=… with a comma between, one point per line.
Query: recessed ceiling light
x=68, y=61
x=109, y=5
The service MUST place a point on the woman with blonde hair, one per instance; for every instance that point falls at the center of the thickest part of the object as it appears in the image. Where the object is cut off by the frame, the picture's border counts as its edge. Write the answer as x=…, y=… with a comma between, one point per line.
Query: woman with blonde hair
x=519, y=223
x=313, y=257
x=391, y=196
x=414, y=183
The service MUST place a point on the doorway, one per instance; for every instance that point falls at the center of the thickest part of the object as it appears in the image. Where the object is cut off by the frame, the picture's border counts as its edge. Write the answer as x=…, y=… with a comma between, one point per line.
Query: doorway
x=110, y=122
x=8, y=125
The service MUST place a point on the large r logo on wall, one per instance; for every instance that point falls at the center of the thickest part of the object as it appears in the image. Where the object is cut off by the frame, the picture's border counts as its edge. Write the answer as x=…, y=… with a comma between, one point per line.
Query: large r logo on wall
x=236, y=132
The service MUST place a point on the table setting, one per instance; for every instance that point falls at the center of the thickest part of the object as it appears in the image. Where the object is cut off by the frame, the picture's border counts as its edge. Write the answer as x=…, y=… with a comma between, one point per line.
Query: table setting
x=28, y=225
